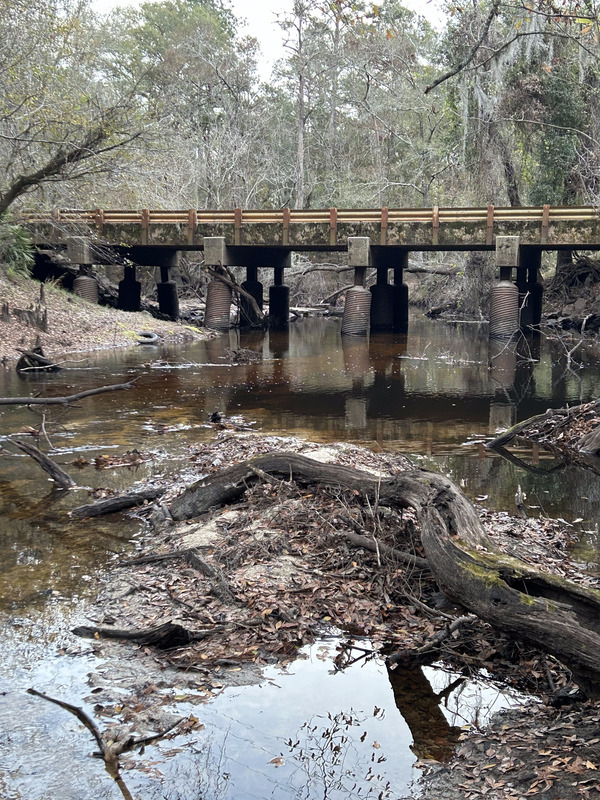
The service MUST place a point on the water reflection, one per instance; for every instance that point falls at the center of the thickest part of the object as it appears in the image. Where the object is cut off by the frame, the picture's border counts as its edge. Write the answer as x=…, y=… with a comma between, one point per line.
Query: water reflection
x=434, y=394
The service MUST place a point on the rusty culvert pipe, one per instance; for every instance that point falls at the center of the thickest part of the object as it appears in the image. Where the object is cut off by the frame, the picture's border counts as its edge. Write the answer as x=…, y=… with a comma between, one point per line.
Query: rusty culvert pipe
x=218, y=306
x=86, y=287
x=504, y=310
x=357, y=312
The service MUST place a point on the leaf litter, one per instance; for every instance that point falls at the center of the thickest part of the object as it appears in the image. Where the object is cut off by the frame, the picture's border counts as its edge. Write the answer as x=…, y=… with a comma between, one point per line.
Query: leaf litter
x=279, y=569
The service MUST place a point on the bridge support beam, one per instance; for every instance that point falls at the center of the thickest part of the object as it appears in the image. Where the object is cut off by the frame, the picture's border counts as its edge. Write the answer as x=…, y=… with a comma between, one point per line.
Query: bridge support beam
x=279, y=301
x=166, y=289
x=218, y=294
x=357, y=308
x=255, y=289
x=401, y=295
x=504, y=298
x=130, y=291
x=530, y=288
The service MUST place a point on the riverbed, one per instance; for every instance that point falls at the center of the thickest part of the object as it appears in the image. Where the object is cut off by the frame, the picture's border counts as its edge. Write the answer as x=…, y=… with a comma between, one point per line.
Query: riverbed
x=435, y=395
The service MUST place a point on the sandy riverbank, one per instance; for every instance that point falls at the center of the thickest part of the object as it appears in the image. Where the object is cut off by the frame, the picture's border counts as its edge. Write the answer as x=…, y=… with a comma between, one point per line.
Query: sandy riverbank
x=74, y=324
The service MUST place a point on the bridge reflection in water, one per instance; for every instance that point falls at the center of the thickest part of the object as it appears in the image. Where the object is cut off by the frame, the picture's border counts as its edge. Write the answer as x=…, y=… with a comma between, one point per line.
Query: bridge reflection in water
x=435, y=394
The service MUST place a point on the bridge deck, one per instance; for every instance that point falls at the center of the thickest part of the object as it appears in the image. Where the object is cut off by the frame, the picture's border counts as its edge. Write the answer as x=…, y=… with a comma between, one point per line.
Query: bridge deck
x=328, y=229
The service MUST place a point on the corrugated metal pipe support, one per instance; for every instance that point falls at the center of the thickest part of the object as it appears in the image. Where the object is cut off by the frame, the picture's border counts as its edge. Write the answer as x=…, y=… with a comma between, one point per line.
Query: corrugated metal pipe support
x=87, y=287
x=357, y=312
x=218, y=306
x=504, y=310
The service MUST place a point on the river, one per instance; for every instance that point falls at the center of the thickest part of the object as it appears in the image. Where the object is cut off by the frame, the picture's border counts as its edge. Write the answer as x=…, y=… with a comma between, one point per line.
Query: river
x=435, y=395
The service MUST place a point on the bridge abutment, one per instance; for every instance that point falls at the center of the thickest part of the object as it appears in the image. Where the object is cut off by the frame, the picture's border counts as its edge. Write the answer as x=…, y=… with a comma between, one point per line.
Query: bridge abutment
x=255, y=289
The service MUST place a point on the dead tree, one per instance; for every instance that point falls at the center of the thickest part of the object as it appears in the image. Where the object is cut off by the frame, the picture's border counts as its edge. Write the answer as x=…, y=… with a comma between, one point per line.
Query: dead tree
x=550, y=612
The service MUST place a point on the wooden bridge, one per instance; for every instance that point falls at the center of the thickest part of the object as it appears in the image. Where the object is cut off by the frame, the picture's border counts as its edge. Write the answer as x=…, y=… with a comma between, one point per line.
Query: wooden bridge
x=417, y=228
x=381, y=238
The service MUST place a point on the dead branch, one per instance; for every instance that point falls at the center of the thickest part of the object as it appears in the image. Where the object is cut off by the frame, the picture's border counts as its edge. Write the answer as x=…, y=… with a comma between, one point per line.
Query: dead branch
x=64, y=480
x=220, y=587
x=165, y=637
x=428, y=651
x=32, y=361
x=110, y=753
x=117, y=503
x=506, y=436
x=331, y=297
x=63, y=401
x=359, y=540
x=548, y=611
x=235, y=287
x=79, y=713
x=494, y=10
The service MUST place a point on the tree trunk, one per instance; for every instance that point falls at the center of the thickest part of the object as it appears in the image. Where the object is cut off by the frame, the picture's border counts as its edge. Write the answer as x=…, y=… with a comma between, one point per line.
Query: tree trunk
x=554, y=614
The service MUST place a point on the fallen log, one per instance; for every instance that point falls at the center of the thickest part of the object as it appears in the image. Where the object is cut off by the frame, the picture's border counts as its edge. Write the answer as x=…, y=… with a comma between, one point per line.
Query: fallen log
x=550, y=612
x=118, y=502
x=166, y=636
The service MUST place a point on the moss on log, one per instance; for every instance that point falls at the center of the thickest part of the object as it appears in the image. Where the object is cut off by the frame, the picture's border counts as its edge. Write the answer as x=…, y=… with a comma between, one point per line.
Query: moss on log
x=554, y=614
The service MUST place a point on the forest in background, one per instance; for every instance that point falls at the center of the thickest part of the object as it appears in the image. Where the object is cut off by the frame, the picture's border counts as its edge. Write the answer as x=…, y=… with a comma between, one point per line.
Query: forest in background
x=163, y=106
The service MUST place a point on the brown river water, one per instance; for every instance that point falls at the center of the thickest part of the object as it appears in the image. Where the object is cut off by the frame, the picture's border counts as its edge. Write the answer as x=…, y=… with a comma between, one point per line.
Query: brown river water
x=435, y=395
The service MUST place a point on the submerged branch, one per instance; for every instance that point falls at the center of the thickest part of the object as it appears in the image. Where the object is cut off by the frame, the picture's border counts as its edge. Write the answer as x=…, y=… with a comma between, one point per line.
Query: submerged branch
x=63, y=401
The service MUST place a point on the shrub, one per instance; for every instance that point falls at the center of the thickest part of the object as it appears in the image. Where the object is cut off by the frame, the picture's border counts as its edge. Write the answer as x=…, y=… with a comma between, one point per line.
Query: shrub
x=16, y=249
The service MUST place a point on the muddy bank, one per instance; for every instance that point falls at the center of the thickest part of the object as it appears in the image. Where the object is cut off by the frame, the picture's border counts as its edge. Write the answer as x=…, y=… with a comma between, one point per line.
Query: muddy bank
x=251, y=583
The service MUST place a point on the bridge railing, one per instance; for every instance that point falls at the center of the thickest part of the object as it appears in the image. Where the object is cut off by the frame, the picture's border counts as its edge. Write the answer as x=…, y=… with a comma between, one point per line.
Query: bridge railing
x=442, y=226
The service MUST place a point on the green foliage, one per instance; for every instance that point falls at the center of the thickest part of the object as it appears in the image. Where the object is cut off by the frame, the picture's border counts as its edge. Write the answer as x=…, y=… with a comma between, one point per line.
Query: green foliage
x=16, y=249
x=557, y=150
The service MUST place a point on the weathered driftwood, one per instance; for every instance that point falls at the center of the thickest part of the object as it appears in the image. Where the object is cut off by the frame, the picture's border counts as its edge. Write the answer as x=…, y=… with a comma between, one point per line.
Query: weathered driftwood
x=35, y=361
x=63, y=401
x=117, y=503
x=165, y=636
x=509, y=434
x=566, y=414
x=552, y=613
x=64, y=480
